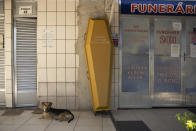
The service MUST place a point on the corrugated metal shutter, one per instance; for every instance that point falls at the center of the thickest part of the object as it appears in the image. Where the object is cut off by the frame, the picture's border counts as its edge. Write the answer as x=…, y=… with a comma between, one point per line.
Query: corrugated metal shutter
x=2, y=68
x=26, y=61
x=1, y=6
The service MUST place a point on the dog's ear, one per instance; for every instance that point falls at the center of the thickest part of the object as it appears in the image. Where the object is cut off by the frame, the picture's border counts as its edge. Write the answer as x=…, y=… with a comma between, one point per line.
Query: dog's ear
x=50, y=104
x=43, y=103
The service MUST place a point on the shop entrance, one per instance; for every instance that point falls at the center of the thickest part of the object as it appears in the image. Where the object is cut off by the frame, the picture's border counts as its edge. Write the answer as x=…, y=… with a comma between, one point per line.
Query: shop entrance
x=25, y=61
x=157, y=61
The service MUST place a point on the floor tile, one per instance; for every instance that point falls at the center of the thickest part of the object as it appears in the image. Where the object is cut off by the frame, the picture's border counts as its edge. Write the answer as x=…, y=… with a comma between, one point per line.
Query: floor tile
x=64, y=123
x=32, y=128
x=36, y=121
x=8, y=127
x=107, y=122
x=88, y=128
x=59, y=128
x=109, y=128
x=15, y=120
x=89, y=122
x=88, y=114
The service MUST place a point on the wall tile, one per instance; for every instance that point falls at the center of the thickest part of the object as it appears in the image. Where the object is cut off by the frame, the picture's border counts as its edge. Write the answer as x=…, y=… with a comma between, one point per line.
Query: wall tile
x=60, y=18
x=51, y=32
x=51, y=74
x=41, y=32
x=61, y=46
x=8, y=16
x=116, y=19
x=41, y=5
x=70, y=5
x=60, y=32
x=8, y=72
x=8, y=86
x=116, y=102
x=117, y=30
x=51, y=46
x=8, y=4
x=41, y=46
x=70, y=18
x=8, y=58
x=8, y=98
x=53, y=100
x=60, y=60
x=70, y=60
x=7, y=30
x=60, y=74
x=116, y=75
x=77, y=32
x=116, y=61
x=70, y=46
x=61, y=5
x=113, y=90
x=70, y=75
x=42, y=89
x=51, y=18
x=51, y=89
x=8, y=44
x=51, y=5
x=116, y=89
x=41, y=60
x=42, y=99
x=42, y=75
x=61, y=102
x=51, y=60
x=71, y=102
x=61, y=89
x=70, y=32
x=41, y=18
x=77, y=61
x=71, y=90
x=113, y=75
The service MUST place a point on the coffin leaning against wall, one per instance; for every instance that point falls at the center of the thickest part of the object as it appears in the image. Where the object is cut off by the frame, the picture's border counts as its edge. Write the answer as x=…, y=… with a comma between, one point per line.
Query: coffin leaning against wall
x=99, y=57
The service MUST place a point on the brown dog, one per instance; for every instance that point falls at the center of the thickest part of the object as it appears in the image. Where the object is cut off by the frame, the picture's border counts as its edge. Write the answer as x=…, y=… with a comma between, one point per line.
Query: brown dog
x=58, y=114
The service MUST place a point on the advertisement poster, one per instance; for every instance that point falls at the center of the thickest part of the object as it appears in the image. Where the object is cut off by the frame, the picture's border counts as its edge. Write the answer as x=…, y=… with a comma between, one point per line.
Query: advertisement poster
x=193, y=50
x=175, y=50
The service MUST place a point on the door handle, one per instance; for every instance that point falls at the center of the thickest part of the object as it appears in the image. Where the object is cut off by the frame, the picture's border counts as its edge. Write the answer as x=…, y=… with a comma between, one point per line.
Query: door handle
x=184, y=56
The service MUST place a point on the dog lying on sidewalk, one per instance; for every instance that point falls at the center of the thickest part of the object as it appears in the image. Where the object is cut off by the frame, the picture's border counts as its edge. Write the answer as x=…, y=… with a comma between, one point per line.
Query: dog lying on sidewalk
x=58, y=114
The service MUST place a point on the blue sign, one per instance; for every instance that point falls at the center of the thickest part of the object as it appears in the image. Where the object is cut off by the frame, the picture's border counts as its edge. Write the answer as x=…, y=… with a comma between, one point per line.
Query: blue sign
x=155, y=7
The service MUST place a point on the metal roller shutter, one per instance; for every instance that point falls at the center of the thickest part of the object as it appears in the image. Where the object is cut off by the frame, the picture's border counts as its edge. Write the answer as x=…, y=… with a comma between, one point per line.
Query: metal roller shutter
x=2, y=68
x=26, y=61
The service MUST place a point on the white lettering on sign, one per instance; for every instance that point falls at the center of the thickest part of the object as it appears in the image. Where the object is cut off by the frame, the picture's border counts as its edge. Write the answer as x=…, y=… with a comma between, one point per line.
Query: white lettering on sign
x=25, y=10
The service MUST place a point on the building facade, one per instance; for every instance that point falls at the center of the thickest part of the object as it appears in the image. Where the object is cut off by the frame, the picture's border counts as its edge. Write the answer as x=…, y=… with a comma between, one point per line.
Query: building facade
x=42, y=53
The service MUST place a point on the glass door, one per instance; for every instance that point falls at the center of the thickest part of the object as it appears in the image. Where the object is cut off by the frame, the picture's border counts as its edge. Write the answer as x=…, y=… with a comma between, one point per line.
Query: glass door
x=167, y=62
x=135, y=39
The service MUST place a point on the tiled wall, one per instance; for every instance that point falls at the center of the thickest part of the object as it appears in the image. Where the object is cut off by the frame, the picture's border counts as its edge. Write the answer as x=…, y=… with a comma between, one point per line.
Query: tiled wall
x=112, y=13
x=57, y=61
x=8, y=55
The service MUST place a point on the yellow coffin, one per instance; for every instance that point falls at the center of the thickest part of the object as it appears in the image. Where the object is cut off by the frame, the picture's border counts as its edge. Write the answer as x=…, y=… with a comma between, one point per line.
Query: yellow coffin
x=99, y=50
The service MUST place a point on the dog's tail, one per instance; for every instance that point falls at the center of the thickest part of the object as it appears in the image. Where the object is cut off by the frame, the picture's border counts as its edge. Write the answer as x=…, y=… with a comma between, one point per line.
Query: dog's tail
x=72, y=116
